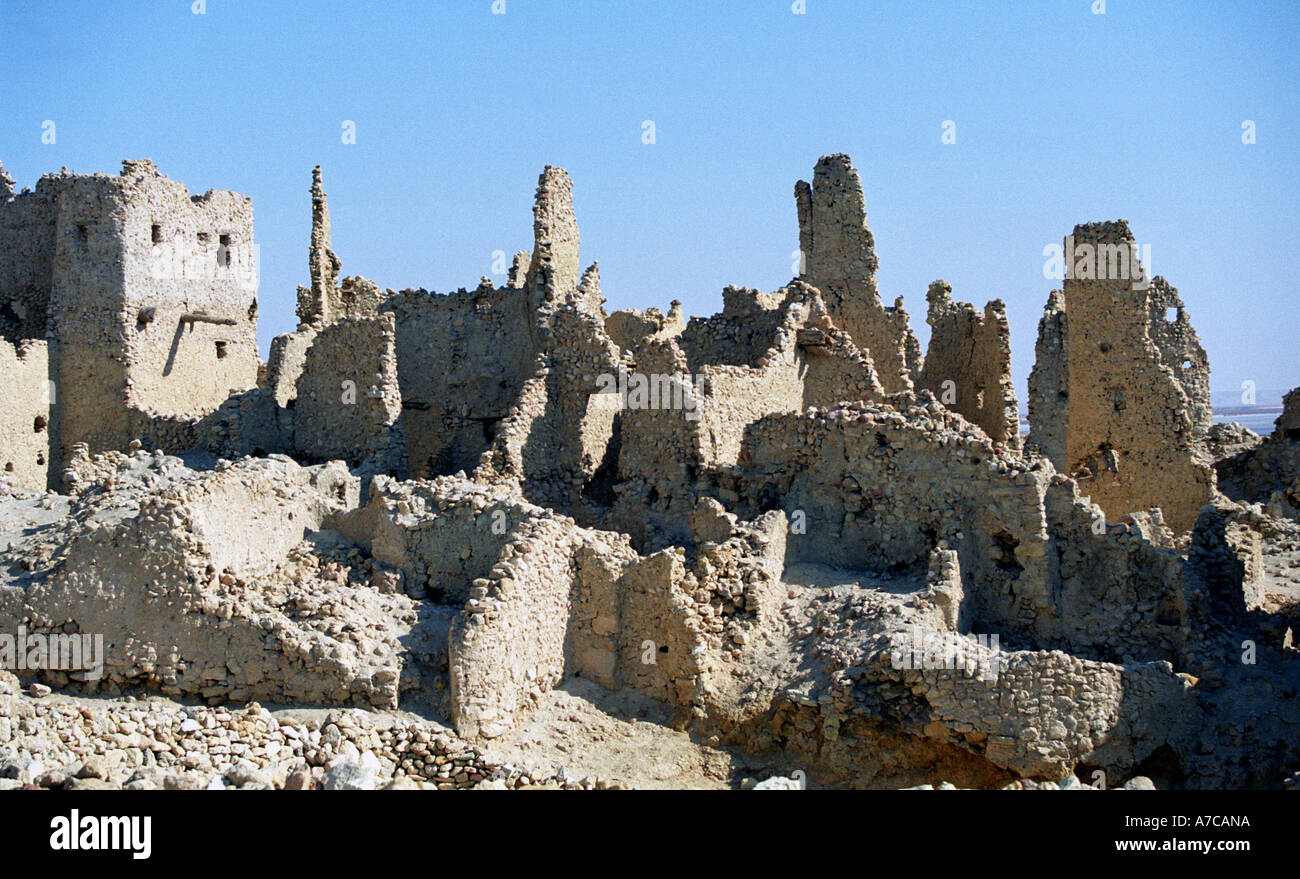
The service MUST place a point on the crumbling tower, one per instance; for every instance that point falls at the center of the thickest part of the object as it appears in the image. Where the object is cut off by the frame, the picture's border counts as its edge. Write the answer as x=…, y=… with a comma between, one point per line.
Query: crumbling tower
x=554, y=270
x=968, y=363
x=839, y=259
x=147, y=295
x=1120, y=393
x=315, y=302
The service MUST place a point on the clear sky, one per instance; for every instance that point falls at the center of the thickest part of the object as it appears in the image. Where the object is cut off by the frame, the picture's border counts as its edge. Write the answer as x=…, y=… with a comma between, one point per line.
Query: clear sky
x=1061, y=116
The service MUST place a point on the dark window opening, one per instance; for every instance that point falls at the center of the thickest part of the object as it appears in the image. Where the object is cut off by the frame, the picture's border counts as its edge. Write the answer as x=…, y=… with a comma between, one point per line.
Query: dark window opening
x=156, y=234
x=1104, y=346
x=83, y=233
x=204, y=238
x=39, y=424
x=9, y=467
x=1004, y=550
x=221, y=350
x=223, y=252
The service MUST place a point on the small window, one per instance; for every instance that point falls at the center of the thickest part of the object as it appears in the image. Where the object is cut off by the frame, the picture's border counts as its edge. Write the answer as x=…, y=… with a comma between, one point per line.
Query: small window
x=83, y=233
x=1171, y=314
x=39, y=424
x=223, y=252
x=1187, y=364
x=156, y=234
x=204, y=238
x=221, y=350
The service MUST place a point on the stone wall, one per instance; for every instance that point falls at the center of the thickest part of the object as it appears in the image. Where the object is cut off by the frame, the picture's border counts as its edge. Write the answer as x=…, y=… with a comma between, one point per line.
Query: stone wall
x=462, y=361
x=1268, y=472
x=202, y=587
x=27, y=245
x=630, y=327
x=507, y=647
x=968, y=363
x=839, y=259
x=189, y=302
x=1132, y=418
x=554, y=259
x=148, y=294
x=878, y=488
x=1049, y=384
x=348, y=402
x=25, y=414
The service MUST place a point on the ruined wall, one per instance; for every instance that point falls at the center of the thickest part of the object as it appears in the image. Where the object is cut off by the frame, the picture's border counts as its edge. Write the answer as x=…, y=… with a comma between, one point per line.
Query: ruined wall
x=288, y=354
x=559, y=432
x=507, y=647
x=148, y=294
x=630, y=327
x=318, y=303
x=661, y=455
x=839, y=259
x=1049, y=385
x=201, y=589
x=972, y=351
x=27, y=244
x=1268, y=472
x=189, y=314
x=25, y=414
x=348, y=401
x=878, y=488
x=151, y=297
x=87, y=313
x=741, y=334
x=765, y=354
x=834, y=369
x=1131, y=424
x=1180, y=349
x=438, y=535
x=1044, y=713
x=554, y=258
x=462, y=361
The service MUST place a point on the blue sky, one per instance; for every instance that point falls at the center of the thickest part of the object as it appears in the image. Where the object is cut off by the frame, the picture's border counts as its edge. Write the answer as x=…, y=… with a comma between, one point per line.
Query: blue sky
x=1062, y=116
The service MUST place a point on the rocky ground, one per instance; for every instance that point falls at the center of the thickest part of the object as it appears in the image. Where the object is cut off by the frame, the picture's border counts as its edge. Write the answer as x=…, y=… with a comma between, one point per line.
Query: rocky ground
x=581, y=739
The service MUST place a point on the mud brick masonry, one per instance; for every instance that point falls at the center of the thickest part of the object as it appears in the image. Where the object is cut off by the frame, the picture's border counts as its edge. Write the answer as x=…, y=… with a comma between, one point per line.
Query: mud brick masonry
x=448, y=498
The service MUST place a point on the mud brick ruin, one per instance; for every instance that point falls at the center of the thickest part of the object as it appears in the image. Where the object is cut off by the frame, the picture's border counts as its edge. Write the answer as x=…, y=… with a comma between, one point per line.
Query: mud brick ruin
x=475, y=504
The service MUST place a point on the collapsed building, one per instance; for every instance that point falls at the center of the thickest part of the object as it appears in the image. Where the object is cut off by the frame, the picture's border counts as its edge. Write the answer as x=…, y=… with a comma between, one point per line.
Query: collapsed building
x=130, y=305
x=1120, y=394
x=780, y=523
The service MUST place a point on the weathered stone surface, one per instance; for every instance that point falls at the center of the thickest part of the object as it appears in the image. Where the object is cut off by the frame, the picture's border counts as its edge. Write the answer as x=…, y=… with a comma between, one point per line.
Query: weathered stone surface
x=777, y=528
x=1120, y=397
